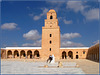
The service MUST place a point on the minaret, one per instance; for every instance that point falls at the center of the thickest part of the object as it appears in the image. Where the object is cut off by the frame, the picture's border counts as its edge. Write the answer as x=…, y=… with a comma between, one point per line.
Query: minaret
x=51, y=36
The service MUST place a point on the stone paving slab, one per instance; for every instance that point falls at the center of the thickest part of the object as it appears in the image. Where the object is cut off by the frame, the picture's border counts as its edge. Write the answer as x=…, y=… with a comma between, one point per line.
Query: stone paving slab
x=20, y=67
x=64, y=63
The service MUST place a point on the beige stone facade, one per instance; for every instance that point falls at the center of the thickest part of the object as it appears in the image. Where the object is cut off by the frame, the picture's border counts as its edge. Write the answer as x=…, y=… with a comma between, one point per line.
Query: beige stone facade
x=93, y=53
x=51, y=36
x=50, y=44
x=73, y=53
x=3, y=53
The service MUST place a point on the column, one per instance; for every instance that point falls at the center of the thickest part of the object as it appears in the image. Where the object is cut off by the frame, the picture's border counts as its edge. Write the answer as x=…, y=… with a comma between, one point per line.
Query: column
x=12, y=54
x=74, y=55
x=32, y=55
x=19, y=54
x=6, y=54
x=91, y=57
x=97, y=56
x=66, y=55
x=26, y=54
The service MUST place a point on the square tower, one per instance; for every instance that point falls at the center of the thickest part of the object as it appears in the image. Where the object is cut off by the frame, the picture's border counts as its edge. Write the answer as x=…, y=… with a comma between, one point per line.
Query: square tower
x=51, y=36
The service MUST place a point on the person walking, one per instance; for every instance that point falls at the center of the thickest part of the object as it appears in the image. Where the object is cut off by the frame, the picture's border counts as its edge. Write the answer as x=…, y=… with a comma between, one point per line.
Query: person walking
x=49, y=59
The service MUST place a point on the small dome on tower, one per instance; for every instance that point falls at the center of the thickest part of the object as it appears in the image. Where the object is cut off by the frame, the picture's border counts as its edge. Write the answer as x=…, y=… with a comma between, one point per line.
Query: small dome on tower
x=52, y=10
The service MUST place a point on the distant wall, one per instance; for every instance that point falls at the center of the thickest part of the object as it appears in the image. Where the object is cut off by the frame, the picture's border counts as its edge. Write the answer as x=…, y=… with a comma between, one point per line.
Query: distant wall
x=73, y=53
x=21, y=53
x=3, y=54
x=93, y=53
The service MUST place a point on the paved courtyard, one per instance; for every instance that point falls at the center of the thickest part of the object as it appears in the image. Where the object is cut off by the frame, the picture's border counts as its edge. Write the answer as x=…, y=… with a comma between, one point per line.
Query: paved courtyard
x=37, y=67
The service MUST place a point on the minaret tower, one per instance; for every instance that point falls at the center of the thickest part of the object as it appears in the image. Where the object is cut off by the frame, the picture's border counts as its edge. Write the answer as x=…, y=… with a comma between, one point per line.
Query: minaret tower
x=51, y=36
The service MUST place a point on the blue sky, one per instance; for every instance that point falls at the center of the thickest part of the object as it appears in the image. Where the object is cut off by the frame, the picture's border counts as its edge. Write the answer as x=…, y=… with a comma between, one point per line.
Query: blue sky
x=22, y=21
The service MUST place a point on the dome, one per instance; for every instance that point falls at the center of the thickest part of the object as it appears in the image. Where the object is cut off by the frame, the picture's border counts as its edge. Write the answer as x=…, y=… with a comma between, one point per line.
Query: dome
x=52, y=10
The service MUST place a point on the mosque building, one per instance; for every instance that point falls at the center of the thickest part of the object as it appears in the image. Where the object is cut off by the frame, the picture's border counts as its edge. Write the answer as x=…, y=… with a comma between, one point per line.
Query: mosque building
x=51, y=45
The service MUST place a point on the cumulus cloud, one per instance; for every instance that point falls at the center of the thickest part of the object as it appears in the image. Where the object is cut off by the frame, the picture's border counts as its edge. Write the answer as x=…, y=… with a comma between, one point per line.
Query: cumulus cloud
x=28, y=7
x=92, y=14
x=32, y=35
x=75, y=5
x=70, y=44
x=36, y=43
x=67, y=22
x=95, y=42
x=59, y=18
x=9, y=26
x=36, y=17
x=55, y=2
x=45, y=10
x=69, y=35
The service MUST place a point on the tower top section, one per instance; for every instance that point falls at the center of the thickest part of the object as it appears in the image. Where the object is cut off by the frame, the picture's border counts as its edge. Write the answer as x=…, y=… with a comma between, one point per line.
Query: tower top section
x=51, y=21
x=51, y=14
x=52, y=11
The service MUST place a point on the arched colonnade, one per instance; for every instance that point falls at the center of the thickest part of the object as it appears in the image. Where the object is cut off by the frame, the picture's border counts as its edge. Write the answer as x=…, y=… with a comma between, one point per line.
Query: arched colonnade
x=29, y=54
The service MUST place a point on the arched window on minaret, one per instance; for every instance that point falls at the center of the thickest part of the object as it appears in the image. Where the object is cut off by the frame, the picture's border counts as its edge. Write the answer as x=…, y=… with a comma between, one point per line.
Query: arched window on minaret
x=50, y=35
x=50, y=49
x=51, y=17
x=50, y=42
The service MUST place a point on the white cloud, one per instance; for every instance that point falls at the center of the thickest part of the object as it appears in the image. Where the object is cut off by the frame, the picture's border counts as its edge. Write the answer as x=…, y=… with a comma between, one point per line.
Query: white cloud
x=67, y=22
x=70, y=44
x=28, y=7
x=56, y=4
x=95, y=42
x=36, y=17
x=69, y=35
x=59, y=18
x=45, y=10
x=92, y=14
x=36, y=43
x=9, y=26
x=55, y=1
x=75, y=5
x=32, y=35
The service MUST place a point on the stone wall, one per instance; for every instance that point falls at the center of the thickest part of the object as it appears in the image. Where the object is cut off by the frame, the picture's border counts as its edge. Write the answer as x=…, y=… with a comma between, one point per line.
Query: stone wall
x=93, y=53
x=73, y=53
x=3, y=54
x=21, y=53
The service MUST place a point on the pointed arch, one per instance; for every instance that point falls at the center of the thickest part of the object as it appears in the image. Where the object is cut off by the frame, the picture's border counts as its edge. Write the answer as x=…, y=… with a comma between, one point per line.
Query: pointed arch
x=9, y=54
x=51, y=17
x=36, y=54
x=16, y=54
x=22, y=54
x=63, y=55
x=29, y=54
x=70, y=54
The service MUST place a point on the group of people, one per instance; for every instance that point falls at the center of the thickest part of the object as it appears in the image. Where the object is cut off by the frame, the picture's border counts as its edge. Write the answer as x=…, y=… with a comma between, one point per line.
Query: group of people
x=50, y=59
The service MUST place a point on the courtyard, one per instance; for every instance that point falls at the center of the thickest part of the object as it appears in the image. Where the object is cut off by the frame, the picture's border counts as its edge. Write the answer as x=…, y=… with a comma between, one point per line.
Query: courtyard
x=36, y=66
